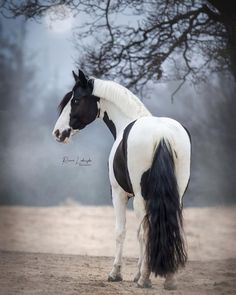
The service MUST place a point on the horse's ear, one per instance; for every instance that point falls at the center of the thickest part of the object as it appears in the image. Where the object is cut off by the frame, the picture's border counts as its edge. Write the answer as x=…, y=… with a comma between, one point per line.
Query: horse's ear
x=82, y=78
x=75, y=76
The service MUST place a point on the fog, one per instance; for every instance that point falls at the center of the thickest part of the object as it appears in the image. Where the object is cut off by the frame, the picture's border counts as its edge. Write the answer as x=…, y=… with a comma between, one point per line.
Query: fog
x=35, y=170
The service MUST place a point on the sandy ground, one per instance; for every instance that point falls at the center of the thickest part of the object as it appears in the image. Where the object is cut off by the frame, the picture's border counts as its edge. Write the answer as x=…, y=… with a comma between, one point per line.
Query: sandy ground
x=79, y=237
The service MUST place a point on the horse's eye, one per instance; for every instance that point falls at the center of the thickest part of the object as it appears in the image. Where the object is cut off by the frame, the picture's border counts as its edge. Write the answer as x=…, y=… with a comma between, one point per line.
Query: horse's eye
x=76, y=101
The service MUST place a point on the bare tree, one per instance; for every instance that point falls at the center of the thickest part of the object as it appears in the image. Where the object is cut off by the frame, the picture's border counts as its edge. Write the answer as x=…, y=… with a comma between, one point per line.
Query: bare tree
x=143, y=40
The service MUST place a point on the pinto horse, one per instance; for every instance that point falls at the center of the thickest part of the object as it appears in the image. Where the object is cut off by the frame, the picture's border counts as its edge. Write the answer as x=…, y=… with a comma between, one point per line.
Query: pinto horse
x=149, y=160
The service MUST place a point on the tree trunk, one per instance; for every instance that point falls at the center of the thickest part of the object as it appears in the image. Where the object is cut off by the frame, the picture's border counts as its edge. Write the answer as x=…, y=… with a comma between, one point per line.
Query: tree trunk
x=227, y=12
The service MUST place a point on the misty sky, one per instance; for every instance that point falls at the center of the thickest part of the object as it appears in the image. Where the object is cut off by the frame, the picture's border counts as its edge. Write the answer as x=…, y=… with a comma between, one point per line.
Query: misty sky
x=34, y=173
x=55, y=53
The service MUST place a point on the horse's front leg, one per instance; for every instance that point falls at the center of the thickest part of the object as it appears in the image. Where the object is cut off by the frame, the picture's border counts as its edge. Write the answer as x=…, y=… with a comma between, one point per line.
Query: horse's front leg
x=120, y=199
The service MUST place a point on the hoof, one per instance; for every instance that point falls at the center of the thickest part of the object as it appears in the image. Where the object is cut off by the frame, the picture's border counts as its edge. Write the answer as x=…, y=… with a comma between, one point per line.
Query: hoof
x=136, y=278
x=144, y=284
x=117, y=278
x=170, y=285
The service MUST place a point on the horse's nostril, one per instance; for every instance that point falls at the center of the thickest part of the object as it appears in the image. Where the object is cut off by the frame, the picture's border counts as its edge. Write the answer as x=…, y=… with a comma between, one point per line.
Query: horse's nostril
x=57, y=133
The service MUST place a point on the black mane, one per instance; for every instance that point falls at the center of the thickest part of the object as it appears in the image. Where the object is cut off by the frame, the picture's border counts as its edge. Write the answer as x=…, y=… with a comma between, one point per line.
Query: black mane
x=64, y=101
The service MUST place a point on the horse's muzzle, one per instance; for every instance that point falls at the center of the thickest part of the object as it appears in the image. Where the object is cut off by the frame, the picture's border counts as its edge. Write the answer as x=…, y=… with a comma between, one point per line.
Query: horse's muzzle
x=62, y=136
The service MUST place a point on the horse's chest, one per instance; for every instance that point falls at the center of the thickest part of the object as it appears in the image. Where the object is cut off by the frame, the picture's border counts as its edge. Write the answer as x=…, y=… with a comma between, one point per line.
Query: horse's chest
x=120, y=162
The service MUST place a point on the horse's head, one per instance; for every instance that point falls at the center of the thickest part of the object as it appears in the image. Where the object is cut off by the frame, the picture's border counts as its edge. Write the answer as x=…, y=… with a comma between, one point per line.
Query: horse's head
x=78, y=108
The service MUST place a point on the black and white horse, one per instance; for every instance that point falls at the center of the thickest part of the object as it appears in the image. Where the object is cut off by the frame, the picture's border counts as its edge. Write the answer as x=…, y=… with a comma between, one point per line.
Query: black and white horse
x=149, y=160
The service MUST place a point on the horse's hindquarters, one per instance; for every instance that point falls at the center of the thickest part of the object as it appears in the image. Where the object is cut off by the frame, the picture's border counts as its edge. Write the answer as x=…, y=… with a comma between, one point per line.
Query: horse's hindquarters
x=159, y=169
x=145, y=136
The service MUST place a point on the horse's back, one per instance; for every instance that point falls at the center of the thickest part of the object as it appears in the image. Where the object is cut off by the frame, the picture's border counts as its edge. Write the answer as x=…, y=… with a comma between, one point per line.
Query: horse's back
x=150, y=128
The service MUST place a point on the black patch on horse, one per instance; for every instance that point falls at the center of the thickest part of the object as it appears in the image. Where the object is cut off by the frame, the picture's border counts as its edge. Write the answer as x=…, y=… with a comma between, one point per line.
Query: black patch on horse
x=64, y=101
x=110, y=124
x=120, y=165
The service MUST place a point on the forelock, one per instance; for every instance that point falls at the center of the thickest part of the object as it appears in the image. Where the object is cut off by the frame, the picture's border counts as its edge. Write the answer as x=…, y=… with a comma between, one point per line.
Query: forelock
x=64, y=101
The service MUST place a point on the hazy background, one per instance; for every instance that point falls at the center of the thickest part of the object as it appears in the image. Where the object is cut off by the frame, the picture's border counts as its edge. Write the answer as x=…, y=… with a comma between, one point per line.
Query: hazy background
x=36, y=60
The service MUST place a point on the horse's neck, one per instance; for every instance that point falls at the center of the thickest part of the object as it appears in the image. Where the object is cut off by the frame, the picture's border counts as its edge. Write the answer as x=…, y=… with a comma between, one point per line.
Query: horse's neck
x=112, y=115
x=119, y=104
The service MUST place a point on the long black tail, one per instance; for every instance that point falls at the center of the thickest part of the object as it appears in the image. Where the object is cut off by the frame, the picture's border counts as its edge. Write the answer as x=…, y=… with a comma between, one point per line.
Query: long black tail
x=163, y=221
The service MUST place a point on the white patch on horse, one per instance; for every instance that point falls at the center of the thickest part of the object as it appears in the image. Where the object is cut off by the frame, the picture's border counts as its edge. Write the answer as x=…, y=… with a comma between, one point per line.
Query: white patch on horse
x=64, y=119
x=156, y=128
x=124, y=99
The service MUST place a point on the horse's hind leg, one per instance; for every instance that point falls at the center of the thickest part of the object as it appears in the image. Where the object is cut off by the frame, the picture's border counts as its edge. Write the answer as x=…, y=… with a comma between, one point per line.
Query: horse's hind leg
x=138, y=273
x=120, y=199
x=170, y=282
x=143, y=274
